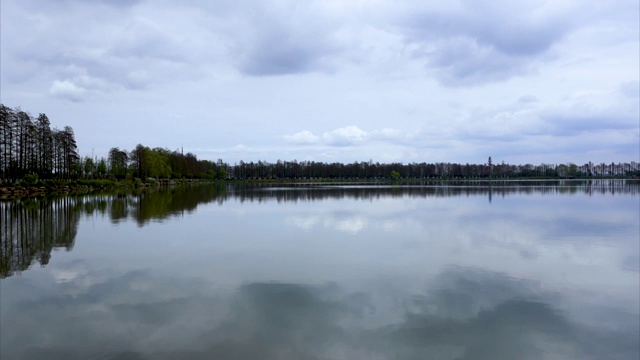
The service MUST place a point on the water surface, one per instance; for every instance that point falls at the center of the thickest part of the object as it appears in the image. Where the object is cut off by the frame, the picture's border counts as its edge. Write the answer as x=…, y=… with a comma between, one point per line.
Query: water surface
x=507, y=270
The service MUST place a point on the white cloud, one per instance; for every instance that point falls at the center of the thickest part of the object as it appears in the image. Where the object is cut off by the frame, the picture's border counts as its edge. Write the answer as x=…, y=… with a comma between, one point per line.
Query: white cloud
x=302, y=138
x=67, y=90
x=78, y=88
x=349, y=135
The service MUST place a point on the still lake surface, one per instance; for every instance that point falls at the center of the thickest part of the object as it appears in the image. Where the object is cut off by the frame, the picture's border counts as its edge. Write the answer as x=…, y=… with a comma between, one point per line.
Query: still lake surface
x=511, y=270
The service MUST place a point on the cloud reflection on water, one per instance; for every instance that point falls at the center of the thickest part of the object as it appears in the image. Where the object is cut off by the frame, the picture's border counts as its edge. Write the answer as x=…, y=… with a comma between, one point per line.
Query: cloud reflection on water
x=345, y=223
x=376, y=273
x=463, y=313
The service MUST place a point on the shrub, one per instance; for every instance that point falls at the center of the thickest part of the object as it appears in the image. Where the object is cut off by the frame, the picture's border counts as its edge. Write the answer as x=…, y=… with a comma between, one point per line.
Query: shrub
x=30, y=179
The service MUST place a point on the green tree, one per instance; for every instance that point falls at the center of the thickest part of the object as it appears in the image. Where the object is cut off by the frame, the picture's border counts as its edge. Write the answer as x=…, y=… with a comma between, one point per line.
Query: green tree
x=138, y=157
x=157, y=163
x=222, y=173
x=562, y=170
x=118, y=161
x=101, y=168
x=88, y=167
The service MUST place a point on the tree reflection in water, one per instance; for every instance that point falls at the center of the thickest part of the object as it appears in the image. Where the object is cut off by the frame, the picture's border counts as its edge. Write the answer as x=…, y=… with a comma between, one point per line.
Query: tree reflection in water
x=31, y=229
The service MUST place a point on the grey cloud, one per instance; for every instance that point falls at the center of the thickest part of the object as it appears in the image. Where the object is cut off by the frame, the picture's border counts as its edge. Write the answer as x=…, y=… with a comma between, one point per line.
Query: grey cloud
x=121, y=3
x=37, y=6
x=510, y=30
x=111, y=3
x=528, y=99
x=593, y=113
x=631, y=89
x=377, y=53
x=573, y=126
x=284, y=39
x=484, y=41
x=462, y=61
x=113, y=47
x=142, y=39
x=260, y=39
x=283, y=52
x=564, y=124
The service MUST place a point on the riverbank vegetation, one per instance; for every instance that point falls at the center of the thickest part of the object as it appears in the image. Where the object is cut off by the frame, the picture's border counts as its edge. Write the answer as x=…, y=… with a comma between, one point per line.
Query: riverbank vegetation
x=32, y=153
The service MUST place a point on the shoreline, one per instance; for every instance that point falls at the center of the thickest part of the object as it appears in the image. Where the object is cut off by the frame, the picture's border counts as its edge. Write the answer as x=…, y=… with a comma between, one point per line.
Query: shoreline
x=82, y=187
x=10, y=192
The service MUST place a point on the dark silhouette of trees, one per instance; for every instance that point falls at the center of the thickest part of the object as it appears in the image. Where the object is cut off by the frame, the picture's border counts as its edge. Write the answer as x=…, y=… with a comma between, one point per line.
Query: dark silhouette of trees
x=139, y=161
x=6, y=141
x=118, y=162
x=29, y=146
x=310, y=170
x=45, y=145
x=66, y=158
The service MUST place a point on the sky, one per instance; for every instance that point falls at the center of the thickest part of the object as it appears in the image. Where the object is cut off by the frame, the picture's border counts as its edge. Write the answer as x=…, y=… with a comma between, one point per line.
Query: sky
x=352, y=80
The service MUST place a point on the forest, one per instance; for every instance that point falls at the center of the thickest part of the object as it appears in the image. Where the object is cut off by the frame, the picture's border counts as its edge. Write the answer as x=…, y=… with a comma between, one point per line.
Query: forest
x=30, y=147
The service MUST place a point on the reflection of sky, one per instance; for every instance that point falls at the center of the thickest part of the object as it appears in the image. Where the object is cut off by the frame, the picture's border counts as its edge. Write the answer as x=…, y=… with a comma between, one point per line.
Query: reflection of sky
x=577, y=241
x=391, y=278
x=462, y=313
x=348, y=223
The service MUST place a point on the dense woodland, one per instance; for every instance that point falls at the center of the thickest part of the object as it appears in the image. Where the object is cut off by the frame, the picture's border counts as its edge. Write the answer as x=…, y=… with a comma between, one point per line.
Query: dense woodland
x=30, y=146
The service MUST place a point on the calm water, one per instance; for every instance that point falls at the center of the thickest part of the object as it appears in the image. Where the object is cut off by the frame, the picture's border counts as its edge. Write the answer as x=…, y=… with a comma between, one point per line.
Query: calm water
x=532, y=270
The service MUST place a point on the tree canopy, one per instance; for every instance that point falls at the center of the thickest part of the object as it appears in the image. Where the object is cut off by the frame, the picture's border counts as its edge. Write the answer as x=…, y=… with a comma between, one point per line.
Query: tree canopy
x=29, y=145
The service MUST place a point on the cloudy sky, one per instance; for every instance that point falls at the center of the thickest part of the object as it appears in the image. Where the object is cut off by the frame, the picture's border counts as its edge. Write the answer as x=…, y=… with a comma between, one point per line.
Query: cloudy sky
x=336, y=80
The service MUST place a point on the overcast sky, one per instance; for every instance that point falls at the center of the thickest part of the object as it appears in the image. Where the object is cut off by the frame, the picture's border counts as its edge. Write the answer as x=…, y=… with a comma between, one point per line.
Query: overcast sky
x=339, y=80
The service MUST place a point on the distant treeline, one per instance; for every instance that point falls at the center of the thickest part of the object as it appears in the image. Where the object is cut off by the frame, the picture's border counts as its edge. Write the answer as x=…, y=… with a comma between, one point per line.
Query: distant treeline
x=31, y=147
x=371, y=170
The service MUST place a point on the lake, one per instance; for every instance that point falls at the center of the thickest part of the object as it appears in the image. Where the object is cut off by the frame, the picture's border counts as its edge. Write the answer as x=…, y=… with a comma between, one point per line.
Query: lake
x=457, y=270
